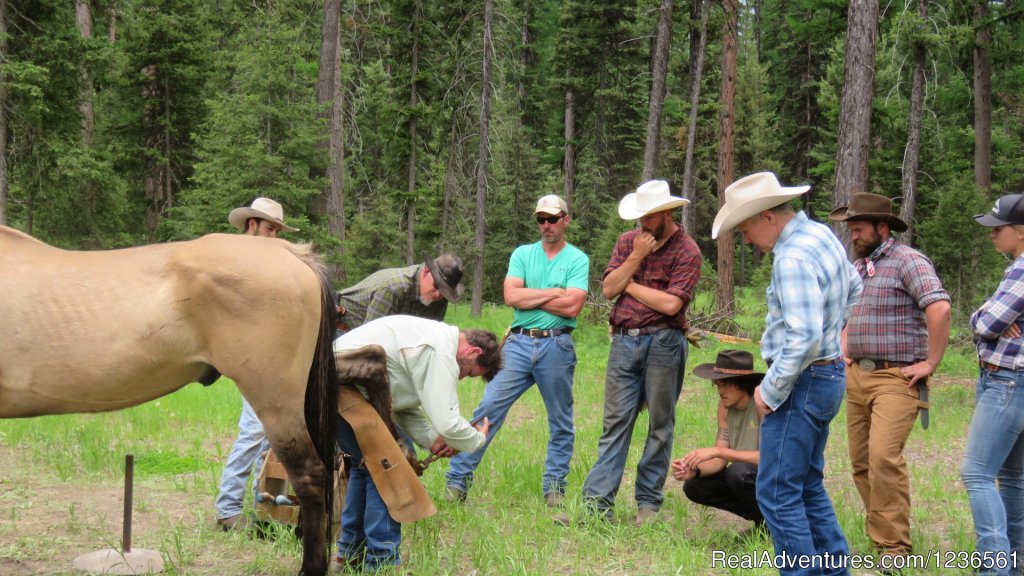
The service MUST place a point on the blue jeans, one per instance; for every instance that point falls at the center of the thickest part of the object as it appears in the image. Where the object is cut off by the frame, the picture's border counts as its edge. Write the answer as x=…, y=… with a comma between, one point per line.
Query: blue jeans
x=648, y=367
x=790, y=475
x=368, y=533
x=550, y=363
x=995, y=449
x=246, y=453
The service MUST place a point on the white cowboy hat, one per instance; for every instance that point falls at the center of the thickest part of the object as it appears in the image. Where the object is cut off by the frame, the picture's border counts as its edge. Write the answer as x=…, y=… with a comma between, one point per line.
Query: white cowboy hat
x=651, y=196
x=262, y=208
x=749, y=196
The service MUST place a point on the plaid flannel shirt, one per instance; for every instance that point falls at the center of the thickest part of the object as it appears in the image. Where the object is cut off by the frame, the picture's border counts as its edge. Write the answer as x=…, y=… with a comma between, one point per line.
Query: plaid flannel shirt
x=996, y=314
x=674, y=268
x=813, y=289
x=386, y=293
x=889, y=321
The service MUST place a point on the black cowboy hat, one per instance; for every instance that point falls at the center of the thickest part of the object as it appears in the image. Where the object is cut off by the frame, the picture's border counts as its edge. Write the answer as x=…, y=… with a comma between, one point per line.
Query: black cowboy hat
x=730, y=364
x=447, y=273
x=871, y=208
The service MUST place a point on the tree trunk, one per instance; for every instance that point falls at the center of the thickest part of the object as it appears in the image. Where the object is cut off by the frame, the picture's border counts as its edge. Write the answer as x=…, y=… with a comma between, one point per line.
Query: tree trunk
x=659, y=72
x=3, y=114
x=982, y=97
x=410, y=208
x=328, y=97
x=569, y=164
x=83, y=18
x=913, y=154
x=696, y=72
x=855, y=107
x=450, y=182
x=726, y=144
x=482, y=157
x=112, y=21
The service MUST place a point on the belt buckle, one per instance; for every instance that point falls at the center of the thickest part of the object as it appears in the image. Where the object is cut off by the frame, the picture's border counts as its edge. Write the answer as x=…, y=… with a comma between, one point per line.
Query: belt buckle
x=633, y=332
x=867, y=365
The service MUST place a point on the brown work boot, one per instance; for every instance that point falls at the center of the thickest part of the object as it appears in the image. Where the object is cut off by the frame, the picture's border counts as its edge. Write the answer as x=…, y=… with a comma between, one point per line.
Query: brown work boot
x=645, y=516
x=239, y=522
x=554, y=499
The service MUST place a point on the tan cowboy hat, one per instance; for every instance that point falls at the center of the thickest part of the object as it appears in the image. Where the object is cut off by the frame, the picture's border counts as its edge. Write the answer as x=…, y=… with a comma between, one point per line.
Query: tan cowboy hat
x=870, y=207
x=653, y=196
x=749, y=196
x=447, y=274
x=730, y=364
x=262, y=208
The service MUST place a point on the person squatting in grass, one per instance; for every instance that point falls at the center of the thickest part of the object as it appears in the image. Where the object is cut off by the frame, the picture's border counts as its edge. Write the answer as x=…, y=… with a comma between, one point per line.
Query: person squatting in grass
x=724, y=476
x=546, y=285
x=812, y=292
x=995, y=440
x=893, y=342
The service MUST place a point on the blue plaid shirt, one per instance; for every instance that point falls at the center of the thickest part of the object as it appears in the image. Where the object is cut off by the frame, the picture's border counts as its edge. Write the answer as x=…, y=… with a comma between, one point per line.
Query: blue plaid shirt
x=813, y=289
x=996, y=314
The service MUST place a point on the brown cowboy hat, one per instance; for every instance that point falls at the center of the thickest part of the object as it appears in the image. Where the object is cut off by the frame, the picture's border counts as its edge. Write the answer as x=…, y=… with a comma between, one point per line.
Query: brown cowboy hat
x=447, y=273
x=871, y=208
x=730, y=364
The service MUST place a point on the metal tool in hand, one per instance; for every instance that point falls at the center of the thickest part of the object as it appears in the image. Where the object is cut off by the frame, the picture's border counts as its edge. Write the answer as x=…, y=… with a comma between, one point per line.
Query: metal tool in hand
x=435, y=455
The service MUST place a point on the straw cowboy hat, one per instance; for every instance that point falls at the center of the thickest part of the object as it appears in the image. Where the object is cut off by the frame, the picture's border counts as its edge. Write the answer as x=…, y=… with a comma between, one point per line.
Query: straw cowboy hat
x=749, y=196
x=869, y=207
x=262, y=208
x=650, y=197
x=730, y=364
x=447, y=273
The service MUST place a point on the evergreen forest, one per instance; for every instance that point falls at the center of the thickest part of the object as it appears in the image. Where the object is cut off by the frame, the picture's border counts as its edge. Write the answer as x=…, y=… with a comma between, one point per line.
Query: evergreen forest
x=390, y=129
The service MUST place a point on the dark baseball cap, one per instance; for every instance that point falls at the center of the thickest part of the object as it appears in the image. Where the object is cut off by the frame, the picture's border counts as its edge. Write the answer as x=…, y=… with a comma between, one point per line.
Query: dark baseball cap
x=1008, y=210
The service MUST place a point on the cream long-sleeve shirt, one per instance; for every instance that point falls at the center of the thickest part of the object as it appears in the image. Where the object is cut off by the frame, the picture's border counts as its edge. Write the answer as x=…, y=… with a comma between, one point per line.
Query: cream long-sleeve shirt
x=422, y=373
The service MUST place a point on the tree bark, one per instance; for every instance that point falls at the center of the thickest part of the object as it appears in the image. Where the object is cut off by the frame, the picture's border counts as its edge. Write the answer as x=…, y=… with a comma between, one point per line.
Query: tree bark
x=982, y=97
x=83, y=19
x=659, y=72
x=328, y=97
x=726, y=145
x=3, y=114
x=569, y=163
x=410, y=208
x=112, y=21
x=482, y=157
x=912, y=157
x=700, y=9
x=855, y=107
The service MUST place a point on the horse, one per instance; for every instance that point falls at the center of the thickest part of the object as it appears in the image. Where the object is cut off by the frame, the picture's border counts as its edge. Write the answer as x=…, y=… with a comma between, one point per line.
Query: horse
x=94, y=331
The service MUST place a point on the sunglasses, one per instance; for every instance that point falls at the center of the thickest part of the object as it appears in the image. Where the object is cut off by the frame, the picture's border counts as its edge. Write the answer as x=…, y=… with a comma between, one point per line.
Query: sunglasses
x=548, y=219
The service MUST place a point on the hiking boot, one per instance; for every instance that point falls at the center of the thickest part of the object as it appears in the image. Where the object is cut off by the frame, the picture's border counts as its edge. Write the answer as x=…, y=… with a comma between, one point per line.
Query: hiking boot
x=454, y=494
x=645, y=516
x=554, y=499
x=239, y=522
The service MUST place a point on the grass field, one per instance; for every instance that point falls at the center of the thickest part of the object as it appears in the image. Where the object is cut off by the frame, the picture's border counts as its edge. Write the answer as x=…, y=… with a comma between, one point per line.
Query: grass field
x=61, y=482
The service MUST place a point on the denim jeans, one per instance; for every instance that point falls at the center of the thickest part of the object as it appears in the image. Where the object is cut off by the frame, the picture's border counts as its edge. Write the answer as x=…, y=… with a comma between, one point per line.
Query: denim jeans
x=995, y=450
x=368, y=533
x=550, y=363
x=246, y=453
x=648, y=367
x=790, y=476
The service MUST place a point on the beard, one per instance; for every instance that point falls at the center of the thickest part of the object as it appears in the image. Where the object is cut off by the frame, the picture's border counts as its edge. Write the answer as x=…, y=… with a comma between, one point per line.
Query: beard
x=863, y=248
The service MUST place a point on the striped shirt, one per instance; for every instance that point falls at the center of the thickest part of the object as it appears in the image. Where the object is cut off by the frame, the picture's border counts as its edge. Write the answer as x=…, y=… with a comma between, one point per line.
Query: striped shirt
x=385, y=293
x=674, y=268
x=889, y=322
x=996, y=314
x=813, y=289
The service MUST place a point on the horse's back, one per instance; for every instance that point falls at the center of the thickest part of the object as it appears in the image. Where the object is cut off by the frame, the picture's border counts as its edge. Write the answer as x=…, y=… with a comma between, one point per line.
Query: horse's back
x=93, y=331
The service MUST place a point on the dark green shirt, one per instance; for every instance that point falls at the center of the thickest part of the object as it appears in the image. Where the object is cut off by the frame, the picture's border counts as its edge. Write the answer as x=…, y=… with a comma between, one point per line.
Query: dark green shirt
x=386, y=293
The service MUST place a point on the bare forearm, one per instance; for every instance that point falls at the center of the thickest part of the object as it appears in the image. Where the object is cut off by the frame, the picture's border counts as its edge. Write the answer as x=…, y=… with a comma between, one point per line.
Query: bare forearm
x=655, y=299
x=937, y=319
x=616, y=280
x=530, y=298
x=748, y=456
x=565, y=306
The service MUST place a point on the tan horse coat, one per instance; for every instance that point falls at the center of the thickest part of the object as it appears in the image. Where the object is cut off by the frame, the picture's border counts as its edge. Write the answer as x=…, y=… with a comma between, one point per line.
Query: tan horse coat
x=99, y=331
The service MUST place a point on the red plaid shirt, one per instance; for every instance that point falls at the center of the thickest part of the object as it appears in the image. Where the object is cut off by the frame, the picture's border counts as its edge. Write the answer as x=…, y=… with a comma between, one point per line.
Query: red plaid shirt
x=674, y=268
x=888, y=323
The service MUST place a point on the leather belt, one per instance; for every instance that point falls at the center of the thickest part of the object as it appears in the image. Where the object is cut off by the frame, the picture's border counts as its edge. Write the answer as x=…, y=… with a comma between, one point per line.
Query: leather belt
x=538, y=333
x=992, y=367
x=824, y=362
x=869, y=365
x=641, y=331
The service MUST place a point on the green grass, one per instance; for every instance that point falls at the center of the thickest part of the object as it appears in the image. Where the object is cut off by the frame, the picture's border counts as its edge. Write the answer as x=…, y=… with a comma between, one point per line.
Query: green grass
x=180, y=443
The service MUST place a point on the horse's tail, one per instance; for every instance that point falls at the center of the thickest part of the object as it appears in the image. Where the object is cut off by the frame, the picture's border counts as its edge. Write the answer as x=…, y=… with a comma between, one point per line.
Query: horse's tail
x=322, y=396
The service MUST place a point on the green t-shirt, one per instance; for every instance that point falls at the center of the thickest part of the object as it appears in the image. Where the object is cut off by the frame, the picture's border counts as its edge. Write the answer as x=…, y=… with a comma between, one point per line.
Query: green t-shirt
x=744, y=427
x=570, y=268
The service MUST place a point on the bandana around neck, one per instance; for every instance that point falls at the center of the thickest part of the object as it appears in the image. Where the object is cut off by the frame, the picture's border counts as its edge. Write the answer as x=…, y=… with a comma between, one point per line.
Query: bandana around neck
x=869, y=262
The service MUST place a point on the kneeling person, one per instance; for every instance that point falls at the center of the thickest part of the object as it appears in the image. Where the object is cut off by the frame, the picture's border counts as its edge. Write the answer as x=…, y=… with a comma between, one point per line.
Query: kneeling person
x=425, y=359
x=725, y=475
